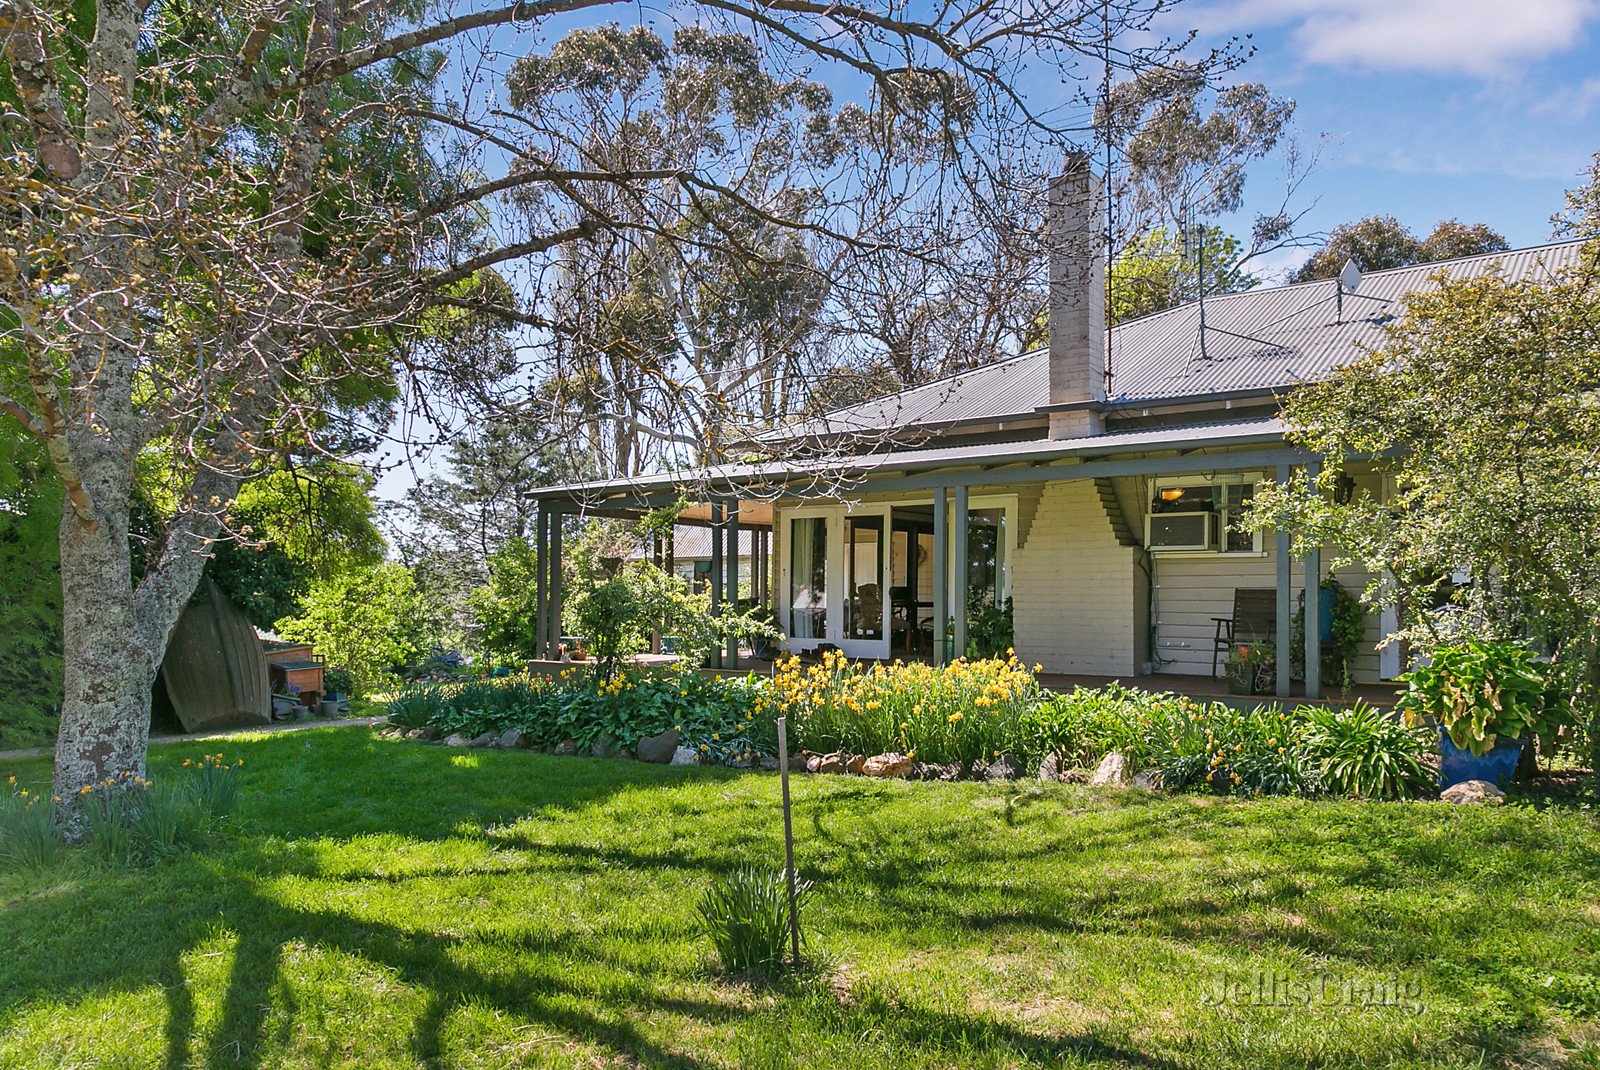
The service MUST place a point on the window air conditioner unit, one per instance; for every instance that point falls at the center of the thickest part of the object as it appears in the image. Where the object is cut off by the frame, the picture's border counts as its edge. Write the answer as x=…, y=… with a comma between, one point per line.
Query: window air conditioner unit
x=1180, y=531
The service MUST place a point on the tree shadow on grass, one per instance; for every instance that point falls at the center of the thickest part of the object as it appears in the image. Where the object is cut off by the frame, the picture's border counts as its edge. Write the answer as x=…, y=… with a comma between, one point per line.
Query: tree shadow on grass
x=881, y=859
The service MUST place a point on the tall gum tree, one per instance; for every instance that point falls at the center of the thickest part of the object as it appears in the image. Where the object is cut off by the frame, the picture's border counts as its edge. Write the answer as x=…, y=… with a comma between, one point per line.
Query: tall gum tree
x=216, y=215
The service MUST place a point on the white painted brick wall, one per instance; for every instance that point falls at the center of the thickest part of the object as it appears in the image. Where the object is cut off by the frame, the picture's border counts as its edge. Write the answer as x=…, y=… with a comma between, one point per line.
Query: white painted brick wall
x=1073, y=587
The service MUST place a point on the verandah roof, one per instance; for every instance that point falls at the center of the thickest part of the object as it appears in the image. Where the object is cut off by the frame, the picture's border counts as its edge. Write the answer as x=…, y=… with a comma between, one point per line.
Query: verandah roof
x=996, y=462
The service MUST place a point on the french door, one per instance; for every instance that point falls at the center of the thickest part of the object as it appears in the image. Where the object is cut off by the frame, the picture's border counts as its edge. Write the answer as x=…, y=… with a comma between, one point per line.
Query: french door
x=835, y=582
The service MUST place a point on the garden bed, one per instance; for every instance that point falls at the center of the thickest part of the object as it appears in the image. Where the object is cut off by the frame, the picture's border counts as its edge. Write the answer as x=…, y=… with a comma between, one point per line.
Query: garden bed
x=982, y=720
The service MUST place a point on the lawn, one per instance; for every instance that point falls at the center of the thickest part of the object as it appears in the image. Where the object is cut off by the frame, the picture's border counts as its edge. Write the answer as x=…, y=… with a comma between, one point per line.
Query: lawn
x=383, y=904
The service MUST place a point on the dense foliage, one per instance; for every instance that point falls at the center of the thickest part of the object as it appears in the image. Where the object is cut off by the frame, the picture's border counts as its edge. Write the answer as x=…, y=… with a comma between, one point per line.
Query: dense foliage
x=367, y=620
x=722, y=719
x=1478, y=409
x=1380, y=242
x=1480, y=691
x=126, y=821
x=30, y=593
x=968, y=711
x=966, y=714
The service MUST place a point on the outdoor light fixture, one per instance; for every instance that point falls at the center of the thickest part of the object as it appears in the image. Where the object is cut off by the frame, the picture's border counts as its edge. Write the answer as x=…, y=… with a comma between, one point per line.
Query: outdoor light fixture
x=1171, y=494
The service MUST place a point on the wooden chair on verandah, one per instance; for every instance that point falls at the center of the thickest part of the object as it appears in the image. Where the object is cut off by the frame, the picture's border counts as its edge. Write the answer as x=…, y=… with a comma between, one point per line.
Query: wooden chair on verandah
x=1255, y=618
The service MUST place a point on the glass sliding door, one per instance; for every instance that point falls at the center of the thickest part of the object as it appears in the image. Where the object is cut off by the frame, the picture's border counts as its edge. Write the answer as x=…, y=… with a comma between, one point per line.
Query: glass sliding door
x=808, y=579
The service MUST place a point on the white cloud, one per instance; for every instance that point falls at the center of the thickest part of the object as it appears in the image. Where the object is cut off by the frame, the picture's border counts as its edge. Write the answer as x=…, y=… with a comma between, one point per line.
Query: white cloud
x=1484, y=37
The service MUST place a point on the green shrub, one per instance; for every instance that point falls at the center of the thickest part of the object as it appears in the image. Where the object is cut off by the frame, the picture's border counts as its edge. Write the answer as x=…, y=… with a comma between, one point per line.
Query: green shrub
x=726, y=720
x=29, y=838
x=1479, y=690
x=1361, y=751
x=746, y=916
x=167, y=820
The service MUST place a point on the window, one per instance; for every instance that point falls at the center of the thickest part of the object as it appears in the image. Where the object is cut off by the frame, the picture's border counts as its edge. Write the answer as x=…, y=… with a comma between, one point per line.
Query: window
x=1226, y=501
x=808, y=577
x=1236, y=538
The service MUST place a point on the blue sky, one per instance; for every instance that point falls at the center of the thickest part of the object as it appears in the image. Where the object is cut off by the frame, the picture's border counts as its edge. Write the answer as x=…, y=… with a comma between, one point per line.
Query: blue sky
x=1481, y=109
x=1485, y=110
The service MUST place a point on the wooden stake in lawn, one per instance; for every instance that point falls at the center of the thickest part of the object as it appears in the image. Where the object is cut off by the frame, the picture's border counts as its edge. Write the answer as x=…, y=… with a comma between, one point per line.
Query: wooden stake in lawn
x=788, y=837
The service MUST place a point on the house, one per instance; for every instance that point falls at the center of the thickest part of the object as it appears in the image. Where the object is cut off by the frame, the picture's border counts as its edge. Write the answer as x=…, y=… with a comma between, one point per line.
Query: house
x=1095, y=482
x=687, y=554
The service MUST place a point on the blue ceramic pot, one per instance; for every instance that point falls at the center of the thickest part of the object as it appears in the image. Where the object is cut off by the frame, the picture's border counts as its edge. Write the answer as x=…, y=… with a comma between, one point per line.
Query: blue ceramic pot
x=1496, y=765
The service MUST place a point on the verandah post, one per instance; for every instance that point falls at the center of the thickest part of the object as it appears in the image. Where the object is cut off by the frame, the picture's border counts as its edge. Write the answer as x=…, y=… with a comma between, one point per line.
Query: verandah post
x=541, y=567
x=554, y=582
x=731, y=564
x=1313, y=597
x=941, y=573
x=960, y=559
x=1285, y=601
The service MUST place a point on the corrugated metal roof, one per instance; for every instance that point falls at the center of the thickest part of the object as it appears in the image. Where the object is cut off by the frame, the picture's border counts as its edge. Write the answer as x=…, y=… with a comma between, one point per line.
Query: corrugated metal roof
x=690, y=542
x=773, y=475
x=1291, y=334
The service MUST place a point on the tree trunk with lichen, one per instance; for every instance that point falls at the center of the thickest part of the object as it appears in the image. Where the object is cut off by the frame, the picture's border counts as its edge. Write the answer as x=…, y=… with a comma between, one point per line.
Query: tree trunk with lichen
x=105, y=708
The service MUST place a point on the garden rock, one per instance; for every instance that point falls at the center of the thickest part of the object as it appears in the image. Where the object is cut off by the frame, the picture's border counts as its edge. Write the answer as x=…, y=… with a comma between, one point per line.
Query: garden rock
x=887, y=765
x=1112, y=771
x=1148, y=779
x=828, y=763
x=485, y=739
x=1050, y=768
x=685, y=756
x=1004, y=767
x=1473, y=793
x=603, y=747
x=769, y=764
x=566, y=749
x=659, y=750
x=936, y=771
x=512, y=737
x=456, y=739
x=854, y=764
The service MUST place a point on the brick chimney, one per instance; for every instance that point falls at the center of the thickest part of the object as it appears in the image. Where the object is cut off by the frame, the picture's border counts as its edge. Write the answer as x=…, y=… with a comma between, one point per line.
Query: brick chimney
x=1077, y=299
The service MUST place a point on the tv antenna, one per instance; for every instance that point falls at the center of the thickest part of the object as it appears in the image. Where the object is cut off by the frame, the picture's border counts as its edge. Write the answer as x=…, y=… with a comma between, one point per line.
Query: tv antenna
x=1192, y=239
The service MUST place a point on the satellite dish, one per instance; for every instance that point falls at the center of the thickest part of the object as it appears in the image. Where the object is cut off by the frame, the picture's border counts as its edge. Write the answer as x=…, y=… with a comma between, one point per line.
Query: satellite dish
x=1350, y=277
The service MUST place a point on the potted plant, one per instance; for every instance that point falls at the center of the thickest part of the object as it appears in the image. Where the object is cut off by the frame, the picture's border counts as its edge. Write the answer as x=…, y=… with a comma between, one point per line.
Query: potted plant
x=337, y=684
x=1250, y=668
x=1486, y=698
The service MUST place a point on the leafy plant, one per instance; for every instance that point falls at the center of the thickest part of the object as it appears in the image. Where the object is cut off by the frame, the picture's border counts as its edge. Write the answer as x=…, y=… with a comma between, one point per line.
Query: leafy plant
x=29, y=839
x=746, y=917
x=339, y=681
x=367, y=619
x=1479, y=690
x=1361, y=751
x=991, y=631
x=1349, y=631
x=964, y=712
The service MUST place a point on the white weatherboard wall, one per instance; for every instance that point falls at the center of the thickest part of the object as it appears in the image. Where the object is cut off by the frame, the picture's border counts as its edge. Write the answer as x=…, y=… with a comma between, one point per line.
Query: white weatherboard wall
x=1073, y=587
x=1191, y=589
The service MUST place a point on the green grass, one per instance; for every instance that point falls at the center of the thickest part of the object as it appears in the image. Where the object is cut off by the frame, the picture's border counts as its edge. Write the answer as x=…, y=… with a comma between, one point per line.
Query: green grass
x=382, y=904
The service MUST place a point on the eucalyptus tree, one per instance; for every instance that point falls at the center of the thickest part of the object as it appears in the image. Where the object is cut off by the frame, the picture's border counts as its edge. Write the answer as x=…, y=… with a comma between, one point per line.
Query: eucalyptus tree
x=1380, y=242
x=222, y=222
